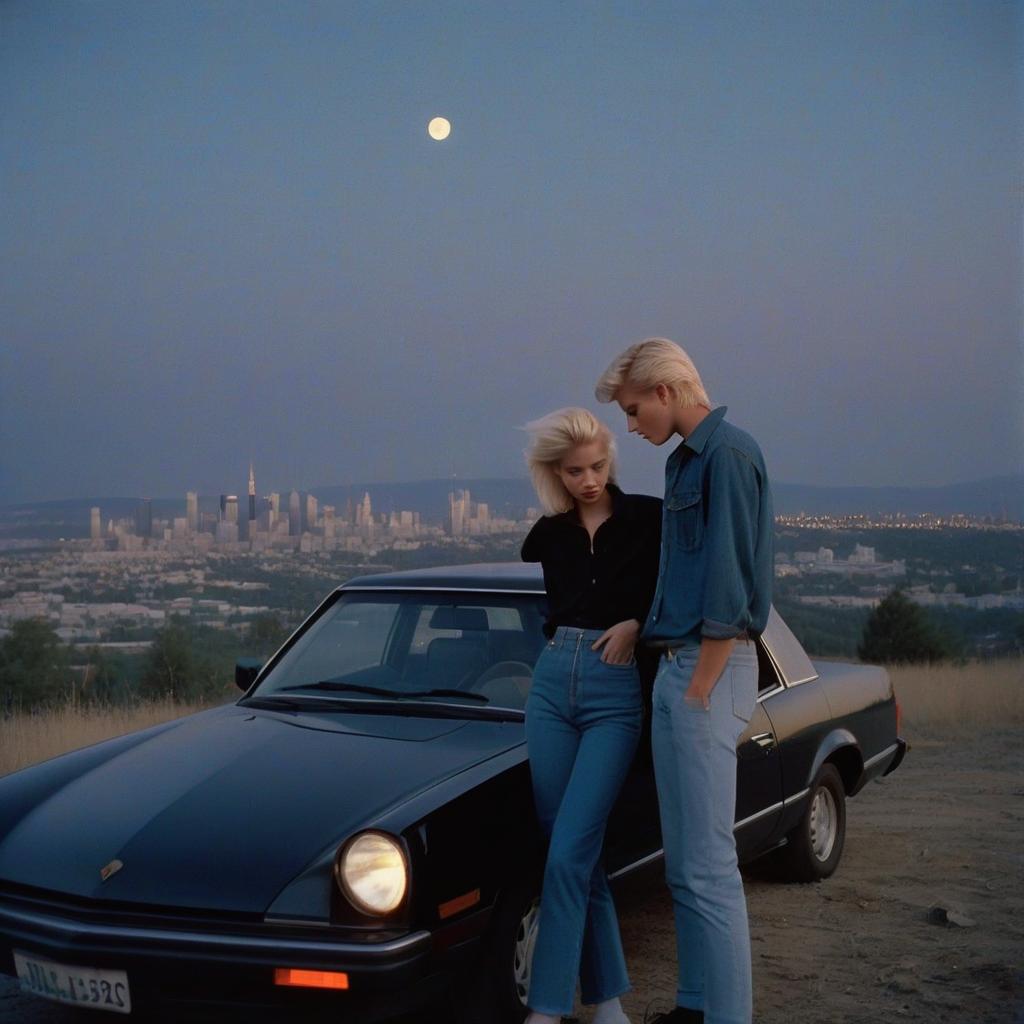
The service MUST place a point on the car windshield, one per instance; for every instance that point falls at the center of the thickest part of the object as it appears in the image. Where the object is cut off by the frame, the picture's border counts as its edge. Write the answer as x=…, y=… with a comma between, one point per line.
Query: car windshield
x=459, y=647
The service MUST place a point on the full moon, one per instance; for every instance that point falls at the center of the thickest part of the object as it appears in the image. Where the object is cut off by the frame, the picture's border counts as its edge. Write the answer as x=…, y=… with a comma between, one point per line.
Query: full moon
x=439, y=129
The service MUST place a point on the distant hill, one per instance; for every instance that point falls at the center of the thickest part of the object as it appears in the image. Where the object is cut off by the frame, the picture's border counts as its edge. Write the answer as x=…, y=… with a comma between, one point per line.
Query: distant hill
x=998, y=497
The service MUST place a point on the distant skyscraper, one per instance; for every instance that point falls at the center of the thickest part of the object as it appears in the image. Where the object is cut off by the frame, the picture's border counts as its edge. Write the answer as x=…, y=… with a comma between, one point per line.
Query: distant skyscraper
x=231, y=508
x=252, y=493
x=223, y=506
x=458, y=512
x=144, y=518
x=294, y=514
x=95, y=526
x=275, y=503
x=328, y=521
x=309, y=512
x=364, y=513
x=192, y=510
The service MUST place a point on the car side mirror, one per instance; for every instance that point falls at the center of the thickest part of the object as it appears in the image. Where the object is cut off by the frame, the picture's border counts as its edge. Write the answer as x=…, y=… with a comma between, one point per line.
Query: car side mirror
x=246, y=671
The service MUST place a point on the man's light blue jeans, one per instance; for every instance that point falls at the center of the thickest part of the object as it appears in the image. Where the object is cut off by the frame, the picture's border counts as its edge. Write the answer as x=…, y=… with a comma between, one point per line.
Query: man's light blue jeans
x=695, y=767
x=583, y=723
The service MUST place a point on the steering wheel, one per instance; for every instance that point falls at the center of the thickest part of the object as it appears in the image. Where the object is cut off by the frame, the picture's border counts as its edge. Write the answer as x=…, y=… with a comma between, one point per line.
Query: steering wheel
x=516, y=673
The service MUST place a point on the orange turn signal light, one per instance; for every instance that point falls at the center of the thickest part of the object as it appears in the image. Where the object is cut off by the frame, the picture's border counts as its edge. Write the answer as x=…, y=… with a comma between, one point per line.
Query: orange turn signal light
x=470, y=899
x=310, y=979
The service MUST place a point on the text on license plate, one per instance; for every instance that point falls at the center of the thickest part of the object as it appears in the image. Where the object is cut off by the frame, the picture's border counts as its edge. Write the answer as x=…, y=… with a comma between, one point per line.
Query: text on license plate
x=77, y=986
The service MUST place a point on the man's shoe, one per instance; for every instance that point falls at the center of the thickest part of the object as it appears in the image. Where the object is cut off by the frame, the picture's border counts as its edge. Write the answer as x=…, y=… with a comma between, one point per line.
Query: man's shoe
x=680, y=1015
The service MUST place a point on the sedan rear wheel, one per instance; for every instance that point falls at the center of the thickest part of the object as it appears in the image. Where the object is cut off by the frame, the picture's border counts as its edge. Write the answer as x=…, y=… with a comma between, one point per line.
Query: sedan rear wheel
x=815, y=846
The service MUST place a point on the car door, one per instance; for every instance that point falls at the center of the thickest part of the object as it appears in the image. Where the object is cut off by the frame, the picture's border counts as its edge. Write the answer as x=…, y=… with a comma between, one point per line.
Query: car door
x=758, y=768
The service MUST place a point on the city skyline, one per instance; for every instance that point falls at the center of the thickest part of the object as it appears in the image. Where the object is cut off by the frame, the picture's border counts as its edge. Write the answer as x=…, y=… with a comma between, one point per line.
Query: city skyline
x=225, y=228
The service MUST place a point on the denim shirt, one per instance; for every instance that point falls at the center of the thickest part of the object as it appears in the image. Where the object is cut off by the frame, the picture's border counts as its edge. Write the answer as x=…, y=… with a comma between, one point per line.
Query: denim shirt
x=715, y=573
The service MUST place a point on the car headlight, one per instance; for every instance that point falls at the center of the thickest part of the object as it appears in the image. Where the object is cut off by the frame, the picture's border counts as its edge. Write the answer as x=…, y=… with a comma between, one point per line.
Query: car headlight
x=372, y=873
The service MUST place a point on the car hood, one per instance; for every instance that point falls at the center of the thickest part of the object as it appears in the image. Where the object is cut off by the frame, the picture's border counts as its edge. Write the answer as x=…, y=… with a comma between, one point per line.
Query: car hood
x=222, y=810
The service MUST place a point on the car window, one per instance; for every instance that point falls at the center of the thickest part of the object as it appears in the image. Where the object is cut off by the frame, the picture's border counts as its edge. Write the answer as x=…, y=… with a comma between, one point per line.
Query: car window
x=410, y=642
x=351, y=640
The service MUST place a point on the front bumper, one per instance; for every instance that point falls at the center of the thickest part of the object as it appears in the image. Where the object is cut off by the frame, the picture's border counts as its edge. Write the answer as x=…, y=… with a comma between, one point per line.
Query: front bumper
x=226, y=962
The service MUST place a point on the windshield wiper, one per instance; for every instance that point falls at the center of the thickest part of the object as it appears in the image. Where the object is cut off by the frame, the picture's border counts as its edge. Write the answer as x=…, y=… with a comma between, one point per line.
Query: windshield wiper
x=337, y=686
x=448, y=693
x=340, y=687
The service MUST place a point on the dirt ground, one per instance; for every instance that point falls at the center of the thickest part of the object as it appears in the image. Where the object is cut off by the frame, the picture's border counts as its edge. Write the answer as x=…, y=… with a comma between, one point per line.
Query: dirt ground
x=940, y=839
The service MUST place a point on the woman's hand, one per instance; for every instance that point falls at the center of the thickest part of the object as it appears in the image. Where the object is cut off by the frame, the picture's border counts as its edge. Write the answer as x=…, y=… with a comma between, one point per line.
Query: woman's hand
x=618, y=642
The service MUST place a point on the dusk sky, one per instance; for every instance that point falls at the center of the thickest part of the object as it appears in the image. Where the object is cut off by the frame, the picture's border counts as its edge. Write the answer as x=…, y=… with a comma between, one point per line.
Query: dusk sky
x=225, y=234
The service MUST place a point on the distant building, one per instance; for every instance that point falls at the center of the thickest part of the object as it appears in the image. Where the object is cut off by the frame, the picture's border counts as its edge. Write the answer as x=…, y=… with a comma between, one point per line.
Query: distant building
x=252, y=494
x=862, y=555
x=458, y=512
x=192, y=510
x=309, y=513
x=364, y=511
x=230, y=508
x=227, y=530
x=144, y=518
x=95, y=524
x=294, y=514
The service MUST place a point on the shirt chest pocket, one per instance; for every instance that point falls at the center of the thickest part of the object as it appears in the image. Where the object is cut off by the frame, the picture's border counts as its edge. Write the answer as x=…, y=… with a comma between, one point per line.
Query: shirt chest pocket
x=685, y=519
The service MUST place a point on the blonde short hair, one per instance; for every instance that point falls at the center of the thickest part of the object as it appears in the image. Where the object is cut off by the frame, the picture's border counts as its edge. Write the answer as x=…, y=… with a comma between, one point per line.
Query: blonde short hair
x=552, y=437
x=649, y=363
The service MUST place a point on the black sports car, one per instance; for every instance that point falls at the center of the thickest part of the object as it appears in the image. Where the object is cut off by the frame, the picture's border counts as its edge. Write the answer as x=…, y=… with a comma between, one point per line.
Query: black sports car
x=359, y=830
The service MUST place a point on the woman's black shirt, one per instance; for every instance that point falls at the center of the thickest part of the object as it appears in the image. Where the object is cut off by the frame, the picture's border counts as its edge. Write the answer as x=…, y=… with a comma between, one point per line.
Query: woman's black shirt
x=614, y=582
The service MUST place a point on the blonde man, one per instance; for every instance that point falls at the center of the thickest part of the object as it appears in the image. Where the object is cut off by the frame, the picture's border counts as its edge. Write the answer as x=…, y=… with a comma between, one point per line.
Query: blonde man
x=712, y=599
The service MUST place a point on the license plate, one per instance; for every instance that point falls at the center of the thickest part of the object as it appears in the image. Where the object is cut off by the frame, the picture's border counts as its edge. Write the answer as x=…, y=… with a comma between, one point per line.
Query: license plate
x=77, y=986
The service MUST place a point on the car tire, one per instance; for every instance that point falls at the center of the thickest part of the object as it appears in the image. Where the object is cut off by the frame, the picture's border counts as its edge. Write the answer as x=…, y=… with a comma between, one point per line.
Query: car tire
x=498, y=988
x=814, y=847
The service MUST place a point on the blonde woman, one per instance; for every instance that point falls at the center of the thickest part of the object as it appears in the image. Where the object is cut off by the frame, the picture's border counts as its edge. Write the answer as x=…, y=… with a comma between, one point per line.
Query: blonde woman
x=599, y=551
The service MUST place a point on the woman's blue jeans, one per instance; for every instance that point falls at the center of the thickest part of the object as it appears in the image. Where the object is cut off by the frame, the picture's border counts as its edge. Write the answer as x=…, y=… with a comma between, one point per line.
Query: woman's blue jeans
x=695, y=767
x=583, y=722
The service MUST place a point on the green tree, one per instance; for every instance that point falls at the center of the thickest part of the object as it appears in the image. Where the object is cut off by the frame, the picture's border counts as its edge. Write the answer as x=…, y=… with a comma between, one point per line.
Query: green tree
x=104, y=678
x=266, y=633
x=170, y=668
x=34, y=664
x=898, y=632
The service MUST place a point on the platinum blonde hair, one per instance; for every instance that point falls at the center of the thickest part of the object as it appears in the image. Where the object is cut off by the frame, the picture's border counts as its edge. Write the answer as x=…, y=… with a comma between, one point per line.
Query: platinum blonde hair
x=552, y=437
x=649, y=363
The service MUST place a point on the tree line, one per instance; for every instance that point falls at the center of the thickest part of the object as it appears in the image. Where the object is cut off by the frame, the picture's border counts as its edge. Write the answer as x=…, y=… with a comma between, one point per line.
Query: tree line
x=185, y=663
x=189, y=663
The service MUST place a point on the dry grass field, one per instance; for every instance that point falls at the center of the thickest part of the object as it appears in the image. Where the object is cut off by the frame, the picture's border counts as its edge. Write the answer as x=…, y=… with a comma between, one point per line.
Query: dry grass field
x=978, y=695
x=27, y=739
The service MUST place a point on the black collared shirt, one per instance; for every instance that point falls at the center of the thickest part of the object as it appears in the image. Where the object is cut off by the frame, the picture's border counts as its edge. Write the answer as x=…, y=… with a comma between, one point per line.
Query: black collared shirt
x=595, y=589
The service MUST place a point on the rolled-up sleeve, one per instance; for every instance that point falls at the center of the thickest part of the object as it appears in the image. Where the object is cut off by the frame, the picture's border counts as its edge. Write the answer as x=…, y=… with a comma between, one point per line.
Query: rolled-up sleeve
x=734, y=498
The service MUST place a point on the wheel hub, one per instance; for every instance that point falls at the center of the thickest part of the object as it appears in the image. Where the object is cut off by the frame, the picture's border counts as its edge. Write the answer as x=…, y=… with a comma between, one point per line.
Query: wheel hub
x=824, y=820
x=526, y=939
